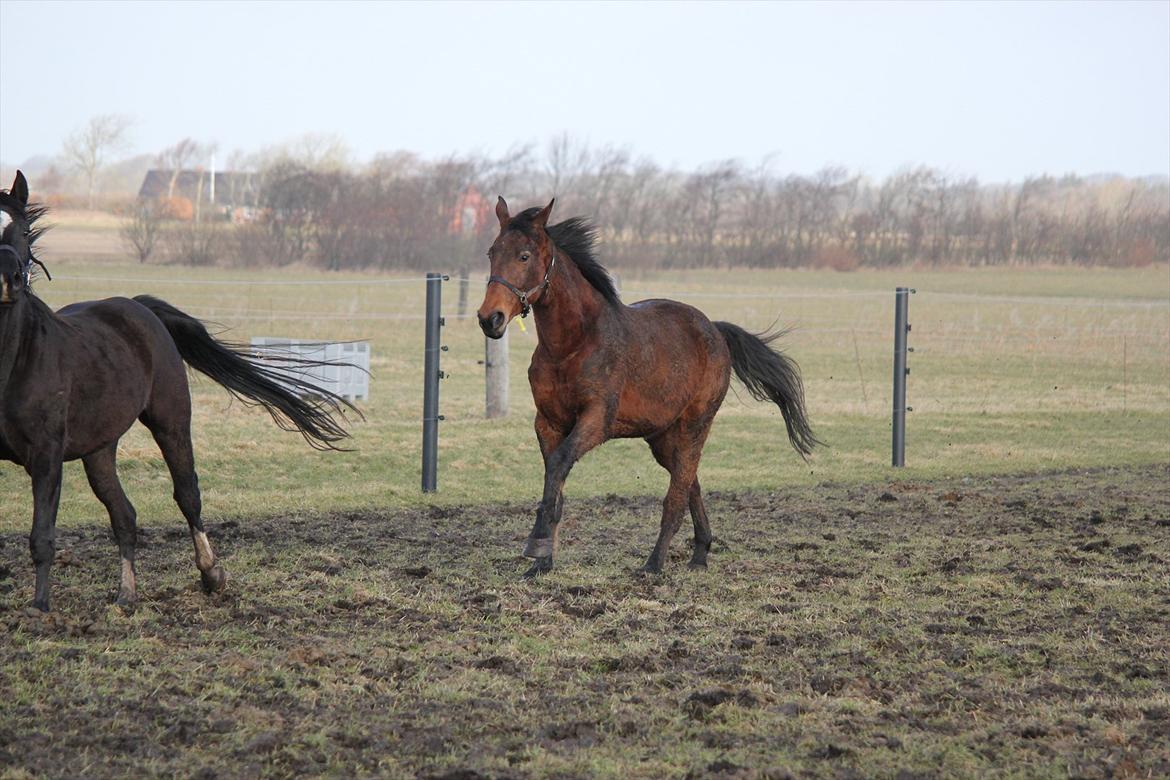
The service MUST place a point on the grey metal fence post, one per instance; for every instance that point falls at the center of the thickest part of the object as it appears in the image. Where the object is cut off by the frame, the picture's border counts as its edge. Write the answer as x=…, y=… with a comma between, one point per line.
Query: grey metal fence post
x=901, y=370
x=431, y=376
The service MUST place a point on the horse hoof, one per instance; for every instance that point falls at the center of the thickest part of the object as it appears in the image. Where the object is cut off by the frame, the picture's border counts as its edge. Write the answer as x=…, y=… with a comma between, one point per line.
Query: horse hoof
x=126, y=600
x=539, y=566
x=648, y=571
x=697, y=566
x=538, y=548
x=36, y=609
x=214, y=579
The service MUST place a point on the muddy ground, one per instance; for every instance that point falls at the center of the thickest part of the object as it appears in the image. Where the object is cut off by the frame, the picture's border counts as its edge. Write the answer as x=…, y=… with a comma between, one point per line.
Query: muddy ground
x=998, y=626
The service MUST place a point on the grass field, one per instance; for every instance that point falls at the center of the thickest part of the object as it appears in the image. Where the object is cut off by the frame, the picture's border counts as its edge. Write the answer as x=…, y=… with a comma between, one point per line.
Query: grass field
x=1001, y=611
x=1012, y=371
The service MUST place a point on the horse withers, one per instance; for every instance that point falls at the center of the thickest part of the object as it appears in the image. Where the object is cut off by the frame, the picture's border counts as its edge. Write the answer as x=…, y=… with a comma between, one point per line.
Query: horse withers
x=72, y=382
x=656, y=369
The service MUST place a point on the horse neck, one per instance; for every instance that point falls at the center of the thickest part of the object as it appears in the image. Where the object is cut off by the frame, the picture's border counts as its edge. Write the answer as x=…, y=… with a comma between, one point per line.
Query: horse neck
x=567, y=312
x=17, y=325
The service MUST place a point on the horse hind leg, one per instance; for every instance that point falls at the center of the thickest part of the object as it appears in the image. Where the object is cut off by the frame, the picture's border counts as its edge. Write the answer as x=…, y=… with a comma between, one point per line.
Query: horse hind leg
x=102, y=472
x=677, y=455
x=702, y=527
x=175, y=442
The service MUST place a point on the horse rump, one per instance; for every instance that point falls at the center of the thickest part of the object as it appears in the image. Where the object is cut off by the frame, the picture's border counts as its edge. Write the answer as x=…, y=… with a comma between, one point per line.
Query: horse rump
x=770, y=375
x=282, y=393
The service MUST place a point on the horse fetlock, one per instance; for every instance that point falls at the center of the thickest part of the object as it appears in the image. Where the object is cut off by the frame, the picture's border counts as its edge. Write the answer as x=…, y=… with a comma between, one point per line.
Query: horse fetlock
x=652, y=567
x=128, y=587
x=204, y=556
x=539, y=548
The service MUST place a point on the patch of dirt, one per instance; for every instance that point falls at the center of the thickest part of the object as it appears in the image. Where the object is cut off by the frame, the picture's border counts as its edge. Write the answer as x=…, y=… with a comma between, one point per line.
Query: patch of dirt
x=1016, y=620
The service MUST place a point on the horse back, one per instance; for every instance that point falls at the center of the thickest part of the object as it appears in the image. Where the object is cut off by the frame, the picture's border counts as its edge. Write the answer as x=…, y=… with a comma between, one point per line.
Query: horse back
x=104, y=358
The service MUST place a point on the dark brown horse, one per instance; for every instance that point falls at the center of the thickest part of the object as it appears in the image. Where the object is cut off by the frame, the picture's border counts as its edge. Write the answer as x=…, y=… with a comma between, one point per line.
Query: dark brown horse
x=73, y=382
x=656, y=369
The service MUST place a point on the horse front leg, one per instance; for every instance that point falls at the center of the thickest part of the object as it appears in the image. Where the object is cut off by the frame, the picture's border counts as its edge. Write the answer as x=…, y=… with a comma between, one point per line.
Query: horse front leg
x=46, y=484
x=588, y=432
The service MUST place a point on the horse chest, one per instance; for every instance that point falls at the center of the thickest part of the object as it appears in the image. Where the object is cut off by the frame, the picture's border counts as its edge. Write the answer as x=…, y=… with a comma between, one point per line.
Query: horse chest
x=559, y=389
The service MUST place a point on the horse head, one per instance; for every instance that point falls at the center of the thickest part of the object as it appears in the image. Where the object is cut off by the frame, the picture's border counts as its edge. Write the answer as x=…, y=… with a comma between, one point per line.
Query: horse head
x=522, y=257
x=17, y=235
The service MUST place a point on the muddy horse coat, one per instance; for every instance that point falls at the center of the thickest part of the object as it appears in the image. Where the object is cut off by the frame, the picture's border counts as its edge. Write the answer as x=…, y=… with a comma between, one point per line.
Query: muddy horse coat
x=656, y=369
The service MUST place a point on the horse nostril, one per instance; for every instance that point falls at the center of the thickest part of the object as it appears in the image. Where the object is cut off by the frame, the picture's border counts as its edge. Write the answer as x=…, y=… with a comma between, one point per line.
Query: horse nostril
x=497, y=320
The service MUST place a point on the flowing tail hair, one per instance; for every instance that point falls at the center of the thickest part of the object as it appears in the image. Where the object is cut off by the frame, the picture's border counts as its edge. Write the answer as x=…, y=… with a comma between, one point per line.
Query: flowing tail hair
x=279, y=392
x=770, y=375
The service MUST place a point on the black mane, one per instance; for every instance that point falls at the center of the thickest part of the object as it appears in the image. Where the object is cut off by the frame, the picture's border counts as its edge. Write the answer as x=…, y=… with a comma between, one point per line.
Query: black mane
x=29, y=214
x=576, y=237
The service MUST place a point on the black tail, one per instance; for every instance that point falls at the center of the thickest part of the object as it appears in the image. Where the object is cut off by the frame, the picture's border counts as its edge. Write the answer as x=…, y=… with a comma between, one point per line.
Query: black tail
x=770, y=375
x=244, y=377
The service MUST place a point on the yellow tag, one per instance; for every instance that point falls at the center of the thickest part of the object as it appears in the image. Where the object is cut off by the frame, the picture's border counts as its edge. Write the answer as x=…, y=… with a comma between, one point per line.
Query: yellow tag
x=520, y=322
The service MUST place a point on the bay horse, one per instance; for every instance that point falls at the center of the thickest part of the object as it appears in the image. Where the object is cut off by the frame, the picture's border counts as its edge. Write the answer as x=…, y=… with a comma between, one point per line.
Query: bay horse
x=656, y=369
x=72, y=383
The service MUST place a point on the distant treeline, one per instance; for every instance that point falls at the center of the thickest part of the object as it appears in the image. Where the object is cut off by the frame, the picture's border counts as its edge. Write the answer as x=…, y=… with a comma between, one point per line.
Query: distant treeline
x=404, y=212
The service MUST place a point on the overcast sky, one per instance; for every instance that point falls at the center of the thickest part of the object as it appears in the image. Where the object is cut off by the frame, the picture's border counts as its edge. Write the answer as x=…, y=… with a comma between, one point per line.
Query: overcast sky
x=996, y=90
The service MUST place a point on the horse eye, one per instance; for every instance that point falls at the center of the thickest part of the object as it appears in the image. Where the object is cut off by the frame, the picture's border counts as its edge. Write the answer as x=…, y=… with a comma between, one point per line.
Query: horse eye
x=524, y=257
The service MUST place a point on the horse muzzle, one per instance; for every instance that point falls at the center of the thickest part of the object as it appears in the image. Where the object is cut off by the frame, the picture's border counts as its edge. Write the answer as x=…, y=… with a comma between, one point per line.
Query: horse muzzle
x=9, y=286
x=493, y=326
x=12, y=278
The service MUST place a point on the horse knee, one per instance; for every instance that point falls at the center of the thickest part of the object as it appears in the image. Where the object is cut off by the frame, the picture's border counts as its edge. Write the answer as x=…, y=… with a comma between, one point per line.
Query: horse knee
x=42, y=548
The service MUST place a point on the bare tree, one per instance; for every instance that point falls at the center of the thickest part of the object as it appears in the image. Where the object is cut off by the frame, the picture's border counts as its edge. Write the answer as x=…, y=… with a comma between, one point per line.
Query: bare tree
x=175, y=159
x=88, y=149
x=142, y=231
x=567, y=159
x=511, y=171
x=402, y=211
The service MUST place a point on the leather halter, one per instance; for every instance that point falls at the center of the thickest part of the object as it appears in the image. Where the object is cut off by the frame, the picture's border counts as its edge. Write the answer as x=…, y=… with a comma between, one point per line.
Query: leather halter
x=526, y=297
x=27, y=265
x=26, y=268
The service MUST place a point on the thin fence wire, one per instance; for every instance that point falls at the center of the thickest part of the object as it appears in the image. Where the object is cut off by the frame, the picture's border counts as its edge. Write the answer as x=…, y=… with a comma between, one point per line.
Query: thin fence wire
x=238, y=282
x=1040, y=335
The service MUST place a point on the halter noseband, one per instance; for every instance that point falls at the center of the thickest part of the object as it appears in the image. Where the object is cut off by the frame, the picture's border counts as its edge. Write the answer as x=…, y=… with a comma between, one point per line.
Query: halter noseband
x=526, y=297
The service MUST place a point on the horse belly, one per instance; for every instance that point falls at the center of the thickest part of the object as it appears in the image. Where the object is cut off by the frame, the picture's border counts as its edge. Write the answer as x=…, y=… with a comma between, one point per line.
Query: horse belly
x=652, y=400
x=106, y=396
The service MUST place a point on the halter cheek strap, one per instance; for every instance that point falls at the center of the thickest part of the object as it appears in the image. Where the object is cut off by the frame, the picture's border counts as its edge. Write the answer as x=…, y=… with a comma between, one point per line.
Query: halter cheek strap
x=26, y=273
x=526, y=297
x=32, y=259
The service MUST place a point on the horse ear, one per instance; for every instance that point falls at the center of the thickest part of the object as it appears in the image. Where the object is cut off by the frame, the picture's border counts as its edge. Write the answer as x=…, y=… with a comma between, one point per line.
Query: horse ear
x=502, y=212
x=541, y=218
x=20, y=189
